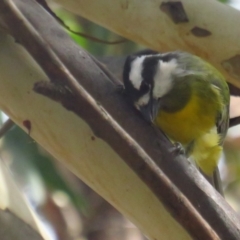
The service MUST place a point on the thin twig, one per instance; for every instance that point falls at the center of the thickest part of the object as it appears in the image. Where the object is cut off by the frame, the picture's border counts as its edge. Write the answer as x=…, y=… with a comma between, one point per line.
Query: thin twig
x=7, y=125
x=80, y=34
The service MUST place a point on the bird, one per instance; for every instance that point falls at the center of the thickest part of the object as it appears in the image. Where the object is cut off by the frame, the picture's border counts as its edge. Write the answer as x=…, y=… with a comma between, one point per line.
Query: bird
x=185, y=97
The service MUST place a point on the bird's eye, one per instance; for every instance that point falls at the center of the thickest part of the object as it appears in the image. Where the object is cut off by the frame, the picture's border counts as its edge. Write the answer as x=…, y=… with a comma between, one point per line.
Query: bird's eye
x=144, y=87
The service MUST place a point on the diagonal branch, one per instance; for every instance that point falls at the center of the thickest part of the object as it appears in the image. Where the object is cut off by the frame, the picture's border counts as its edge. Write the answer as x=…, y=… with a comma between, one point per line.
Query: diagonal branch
x=86, y=107
x=108, y=114
x=21, y=231
x=164, y=25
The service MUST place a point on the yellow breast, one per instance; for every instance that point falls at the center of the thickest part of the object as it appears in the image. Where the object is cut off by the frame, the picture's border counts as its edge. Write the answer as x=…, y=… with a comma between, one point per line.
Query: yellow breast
x=192, y=121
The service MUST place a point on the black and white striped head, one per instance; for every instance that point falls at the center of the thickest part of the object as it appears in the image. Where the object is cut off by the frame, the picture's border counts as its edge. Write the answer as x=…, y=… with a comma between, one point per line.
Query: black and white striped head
x=147, y=78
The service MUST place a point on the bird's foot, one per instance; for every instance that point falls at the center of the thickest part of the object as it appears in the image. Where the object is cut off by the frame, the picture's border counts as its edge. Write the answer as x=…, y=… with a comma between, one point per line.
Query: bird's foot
x=178, y=149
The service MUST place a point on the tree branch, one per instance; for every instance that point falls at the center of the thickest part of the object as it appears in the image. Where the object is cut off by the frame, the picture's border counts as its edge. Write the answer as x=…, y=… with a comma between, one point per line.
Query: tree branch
x=192, y=26
x=14, y=228
x=112, y=120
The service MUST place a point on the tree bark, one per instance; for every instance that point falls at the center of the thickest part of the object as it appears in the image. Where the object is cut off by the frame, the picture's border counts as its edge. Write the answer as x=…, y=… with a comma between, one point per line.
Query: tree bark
x=104, y=133
x=14, y=228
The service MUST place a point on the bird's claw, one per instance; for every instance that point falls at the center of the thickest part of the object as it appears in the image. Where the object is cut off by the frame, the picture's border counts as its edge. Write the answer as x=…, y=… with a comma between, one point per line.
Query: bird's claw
x=178, y=149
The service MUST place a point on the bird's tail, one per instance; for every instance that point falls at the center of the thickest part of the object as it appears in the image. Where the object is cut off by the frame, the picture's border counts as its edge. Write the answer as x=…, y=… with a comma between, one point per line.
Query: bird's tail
x=206, y=153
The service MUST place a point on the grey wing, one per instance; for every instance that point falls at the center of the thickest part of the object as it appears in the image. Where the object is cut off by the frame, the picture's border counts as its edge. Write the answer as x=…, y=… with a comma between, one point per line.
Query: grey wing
x=222, y=127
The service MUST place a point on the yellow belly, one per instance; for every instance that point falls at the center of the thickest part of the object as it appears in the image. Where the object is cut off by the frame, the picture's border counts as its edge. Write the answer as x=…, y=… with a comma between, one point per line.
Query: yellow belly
x=195, y=122
x=195, y=119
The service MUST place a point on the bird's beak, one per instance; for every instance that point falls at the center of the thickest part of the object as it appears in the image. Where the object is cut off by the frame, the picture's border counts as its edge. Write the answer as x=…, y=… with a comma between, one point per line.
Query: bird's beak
x=150, y=110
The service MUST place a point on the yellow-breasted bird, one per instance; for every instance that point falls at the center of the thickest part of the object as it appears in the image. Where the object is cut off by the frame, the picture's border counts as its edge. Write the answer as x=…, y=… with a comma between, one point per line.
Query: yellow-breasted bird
x=186, y=97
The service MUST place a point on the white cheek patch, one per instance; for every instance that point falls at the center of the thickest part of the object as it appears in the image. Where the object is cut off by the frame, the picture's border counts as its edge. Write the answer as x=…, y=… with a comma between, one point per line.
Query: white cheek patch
x=135, y=74
x=142, y=101
x=163, y=80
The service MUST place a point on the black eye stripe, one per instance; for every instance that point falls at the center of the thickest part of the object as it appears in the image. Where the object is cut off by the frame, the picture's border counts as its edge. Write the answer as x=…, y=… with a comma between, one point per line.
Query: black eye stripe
x=149, y=69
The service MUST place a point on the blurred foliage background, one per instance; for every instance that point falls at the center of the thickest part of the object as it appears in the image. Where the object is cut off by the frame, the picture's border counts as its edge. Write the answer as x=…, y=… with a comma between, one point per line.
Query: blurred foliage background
x=65, y=205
